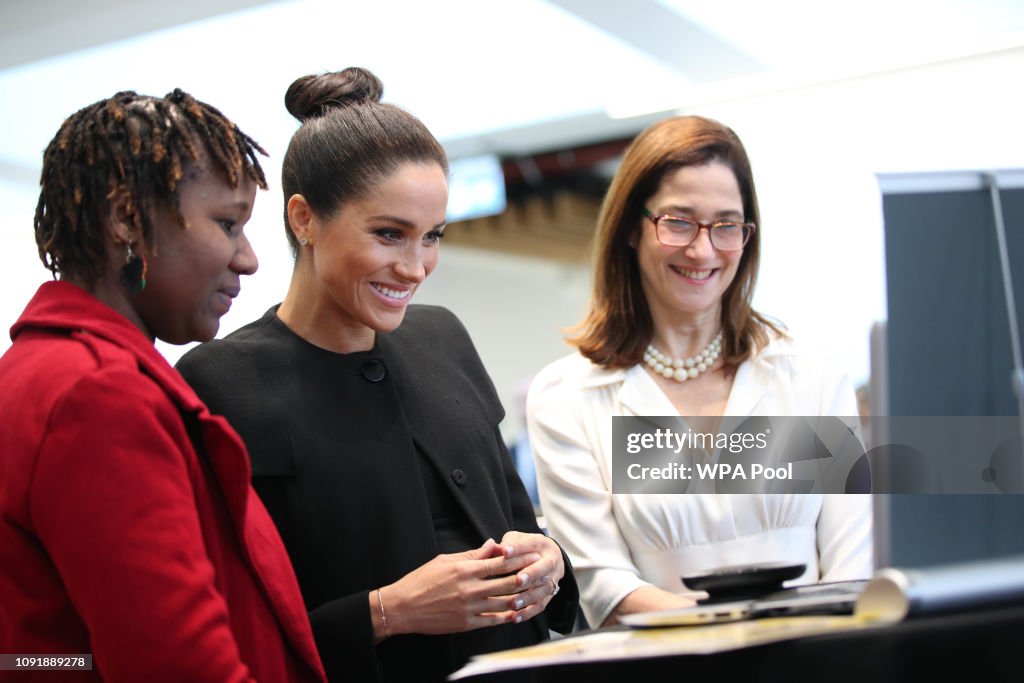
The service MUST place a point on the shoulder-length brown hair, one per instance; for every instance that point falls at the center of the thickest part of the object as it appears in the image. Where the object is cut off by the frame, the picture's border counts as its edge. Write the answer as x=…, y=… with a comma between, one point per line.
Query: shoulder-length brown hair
x=619, y=327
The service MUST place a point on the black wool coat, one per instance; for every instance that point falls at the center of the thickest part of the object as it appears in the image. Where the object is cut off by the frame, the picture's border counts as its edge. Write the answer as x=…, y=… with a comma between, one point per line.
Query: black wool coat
x=338, y=443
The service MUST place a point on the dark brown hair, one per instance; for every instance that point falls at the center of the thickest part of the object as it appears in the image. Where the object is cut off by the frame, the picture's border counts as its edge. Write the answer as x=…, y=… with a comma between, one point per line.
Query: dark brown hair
x=348, y=142
x=135, y=144
x=619, y=326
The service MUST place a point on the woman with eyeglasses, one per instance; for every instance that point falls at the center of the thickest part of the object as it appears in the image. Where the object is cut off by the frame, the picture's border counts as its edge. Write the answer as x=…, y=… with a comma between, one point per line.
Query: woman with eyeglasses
x=671, y=332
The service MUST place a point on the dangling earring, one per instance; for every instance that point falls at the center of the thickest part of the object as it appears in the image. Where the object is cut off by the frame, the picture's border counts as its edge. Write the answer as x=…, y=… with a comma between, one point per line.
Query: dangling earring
x=133, y=272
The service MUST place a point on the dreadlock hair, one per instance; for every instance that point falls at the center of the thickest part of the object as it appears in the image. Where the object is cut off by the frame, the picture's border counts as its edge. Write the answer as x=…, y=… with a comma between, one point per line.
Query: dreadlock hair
x=133, y=144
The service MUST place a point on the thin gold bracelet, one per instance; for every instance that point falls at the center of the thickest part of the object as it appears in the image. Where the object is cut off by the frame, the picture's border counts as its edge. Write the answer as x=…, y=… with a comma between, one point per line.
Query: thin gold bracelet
x=383, y=619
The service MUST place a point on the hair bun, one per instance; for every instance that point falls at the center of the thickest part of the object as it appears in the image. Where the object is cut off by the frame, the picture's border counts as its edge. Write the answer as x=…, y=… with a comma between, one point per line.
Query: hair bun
x=312, y=96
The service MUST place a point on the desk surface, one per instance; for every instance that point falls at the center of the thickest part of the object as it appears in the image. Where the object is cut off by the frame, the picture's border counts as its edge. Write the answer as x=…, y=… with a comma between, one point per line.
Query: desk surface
x=984, y=645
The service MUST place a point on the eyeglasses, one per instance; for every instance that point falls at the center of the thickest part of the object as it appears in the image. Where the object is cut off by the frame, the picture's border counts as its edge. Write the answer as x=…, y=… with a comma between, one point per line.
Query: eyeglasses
x=675, y=231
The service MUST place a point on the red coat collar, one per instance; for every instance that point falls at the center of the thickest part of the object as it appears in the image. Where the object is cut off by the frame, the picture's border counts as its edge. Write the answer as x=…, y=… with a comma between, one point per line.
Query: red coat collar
x=64, y=307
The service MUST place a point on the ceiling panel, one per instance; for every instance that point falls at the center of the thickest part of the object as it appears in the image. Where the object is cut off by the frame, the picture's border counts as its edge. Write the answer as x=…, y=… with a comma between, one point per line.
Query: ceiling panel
x=506, y=76
x=34, y=30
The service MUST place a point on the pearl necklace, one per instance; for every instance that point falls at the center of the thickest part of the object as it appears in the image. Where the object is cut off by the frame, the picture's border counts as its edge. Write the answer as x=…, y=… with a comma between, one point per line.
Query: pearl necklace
x=683, y=369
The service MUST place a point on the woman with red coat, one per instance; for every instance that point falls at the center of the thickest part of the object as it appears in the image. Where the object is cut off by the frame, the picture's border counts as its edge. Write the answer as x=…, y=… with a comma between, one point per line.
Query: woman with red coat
x=128, y=528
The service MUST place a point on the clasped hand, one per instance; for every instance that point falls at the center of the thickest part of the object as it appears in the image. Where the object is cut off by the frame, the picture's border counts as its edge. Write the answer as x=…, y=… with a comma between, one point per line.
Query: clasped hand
x=497, y=583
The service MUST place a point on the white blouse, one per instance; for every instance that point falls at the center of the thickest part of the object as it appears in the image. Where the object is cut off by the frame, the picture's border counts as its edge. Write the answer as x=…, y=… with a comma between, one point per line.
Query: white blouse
x=618, y=543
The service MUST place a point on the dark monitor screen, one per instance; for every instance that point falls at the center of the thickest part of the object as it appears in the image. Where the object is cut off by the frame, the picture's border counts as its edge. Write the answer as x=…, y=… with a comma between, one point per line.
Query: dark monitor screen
x=945, y=349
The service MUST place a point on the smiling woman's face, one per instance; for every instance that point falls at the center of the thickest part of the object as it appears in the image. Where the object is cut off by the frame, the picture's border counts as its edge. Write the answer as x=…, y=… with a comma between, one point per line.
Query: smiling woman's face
x=370, y=257
x=194, y=272
x=689, y=282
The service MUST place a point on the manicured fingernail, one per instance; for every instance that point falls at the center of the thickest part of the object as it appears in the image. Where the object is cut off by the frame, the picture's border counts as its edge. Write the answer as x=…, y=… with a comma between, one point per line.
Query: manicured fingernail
x=510, y=550
x=545, y=579
x=518, y=618
x=519, y=603
x=524, y=579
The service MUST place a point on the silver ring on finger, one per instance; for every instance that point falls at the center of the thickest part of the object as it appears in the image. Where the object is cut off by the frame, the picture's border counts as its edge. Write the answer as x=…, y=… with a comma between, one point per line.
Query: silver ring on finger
x=554, y=586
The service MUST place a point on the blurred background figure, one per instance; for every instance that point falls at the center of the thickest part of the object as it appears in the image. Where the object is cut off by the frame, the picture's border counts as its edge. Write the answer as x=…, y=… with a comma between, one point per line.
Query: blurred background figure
x=519, y=448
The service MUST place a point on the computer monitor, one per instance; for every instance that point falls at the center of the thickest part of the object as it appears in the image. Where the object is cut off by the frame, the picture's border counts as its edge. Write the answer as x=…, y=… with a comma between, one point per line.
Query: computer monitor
x=945, y=350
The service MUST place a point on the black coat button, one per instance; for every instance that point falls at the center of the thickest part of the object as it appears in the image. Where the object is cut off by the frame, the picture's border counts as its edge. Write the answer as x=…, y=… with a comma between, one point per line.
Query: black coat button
x=459, y=477
x=374, y=370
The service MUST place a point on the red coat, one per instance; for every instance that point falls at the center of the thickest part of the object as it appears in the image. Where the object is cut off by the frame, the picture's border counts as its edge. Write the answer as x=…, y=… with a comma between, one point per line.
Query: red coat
x=117, y=537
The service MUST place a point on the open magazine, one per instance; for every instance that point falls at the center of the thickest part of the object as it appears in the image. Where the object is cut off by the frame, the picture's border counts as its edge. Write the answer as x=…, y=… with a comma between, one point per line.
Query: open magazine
x=890, y=596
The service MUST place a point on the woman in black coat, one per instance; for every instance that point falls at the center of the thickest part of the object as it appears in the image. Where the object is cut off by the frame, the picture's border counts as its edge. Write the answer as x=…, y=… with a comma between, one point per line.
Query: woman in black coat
x=372, y=424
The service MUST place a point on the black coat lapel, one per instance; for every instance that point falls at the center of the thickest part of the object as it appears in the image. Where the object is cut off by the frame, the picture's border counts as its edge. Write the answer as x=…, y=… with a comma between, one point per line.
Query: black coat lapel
x=453, y=412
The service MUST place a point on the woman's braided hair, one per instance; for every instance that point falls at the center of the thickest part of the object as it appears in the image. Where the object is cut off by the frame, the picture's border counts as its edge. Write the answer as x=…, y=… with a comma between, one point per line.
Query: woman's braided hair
x=138, y=145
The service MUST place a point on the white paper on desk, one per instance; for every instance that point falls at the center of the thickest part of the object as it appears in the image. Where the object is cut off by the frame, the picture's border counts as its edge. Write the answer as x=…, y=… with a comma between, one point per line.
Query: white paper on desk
x=660, y=642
